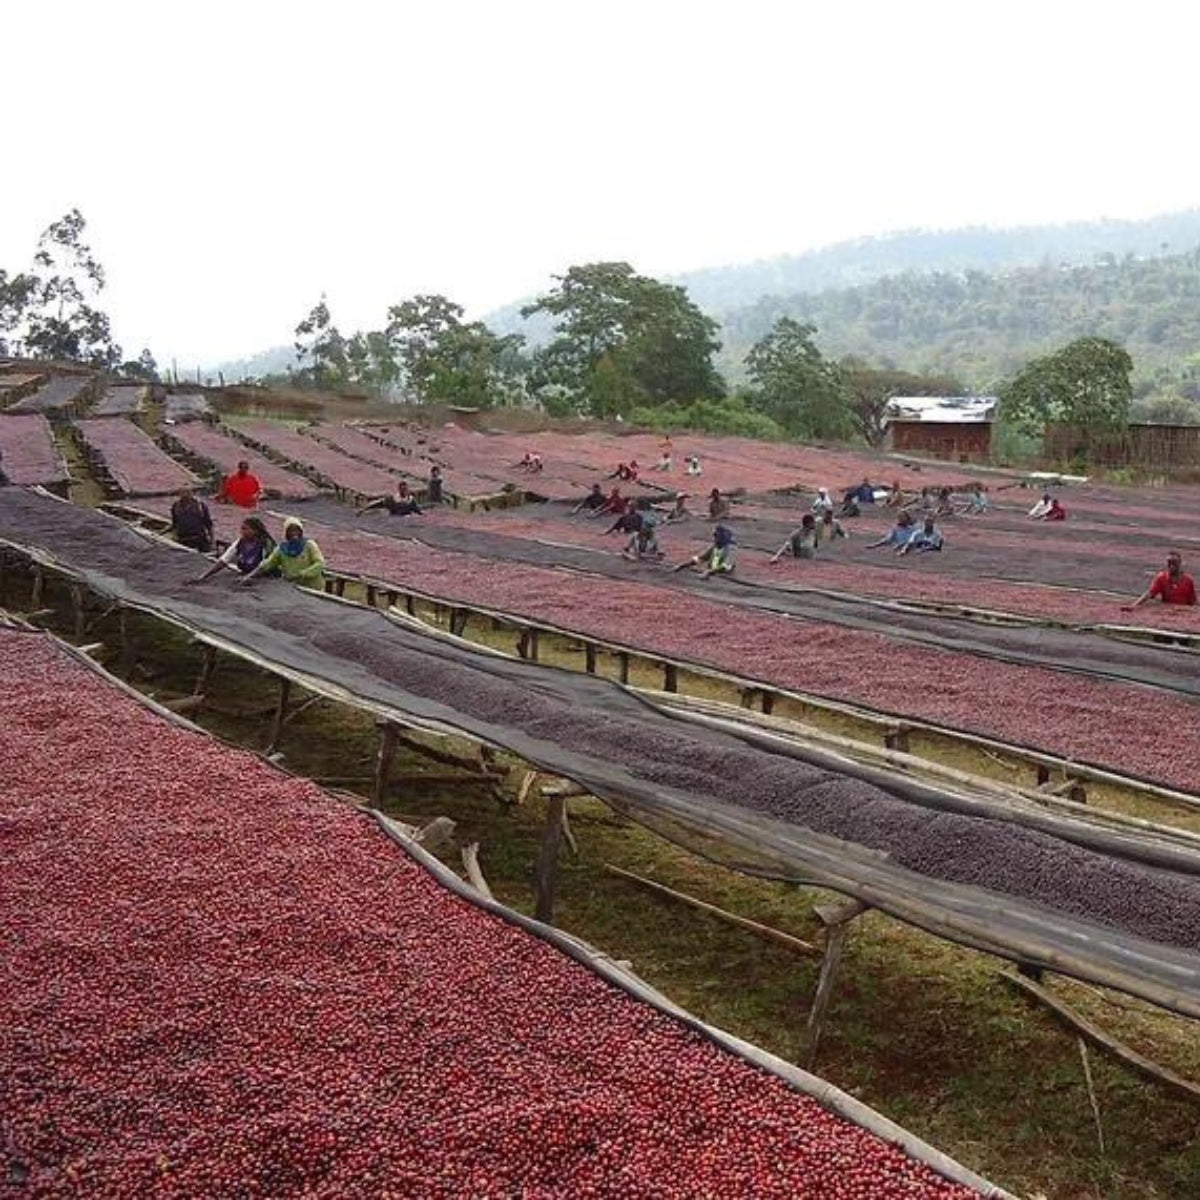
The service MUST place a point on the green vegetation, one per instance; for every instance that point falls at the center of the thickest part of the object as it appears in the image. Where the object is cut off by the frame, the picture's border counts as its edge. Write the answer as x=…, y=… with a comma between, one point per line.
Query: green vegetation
x=623, y=340
x=983, y=328
x=731, y=417
x=1084, y=385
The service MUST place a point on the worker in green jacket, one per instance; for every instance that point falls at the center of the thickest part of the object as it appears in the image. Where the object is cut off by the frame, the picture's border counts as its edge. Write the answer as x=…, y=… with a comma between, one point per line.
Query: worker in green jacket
x=297, y=558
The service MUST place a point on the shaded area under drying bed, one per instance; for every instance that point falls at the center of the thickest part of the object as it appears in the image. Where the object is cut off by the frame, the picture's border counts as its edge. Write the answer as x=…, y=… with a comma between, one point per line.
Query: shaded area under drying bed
x=214, y=999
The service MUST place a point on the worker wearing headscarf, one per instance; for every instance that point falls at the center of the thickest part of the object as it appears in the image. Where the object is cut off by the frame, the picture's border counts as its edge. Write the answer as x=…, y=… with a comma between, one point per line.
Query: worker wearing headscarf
x=297, y=558
x=718, y=559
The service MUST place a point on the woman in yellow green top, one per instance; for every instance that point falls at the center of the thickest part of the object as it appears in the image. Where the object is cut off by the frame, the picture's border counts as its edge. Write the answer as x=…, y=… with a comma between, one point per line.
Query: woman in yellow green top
x=297, y=558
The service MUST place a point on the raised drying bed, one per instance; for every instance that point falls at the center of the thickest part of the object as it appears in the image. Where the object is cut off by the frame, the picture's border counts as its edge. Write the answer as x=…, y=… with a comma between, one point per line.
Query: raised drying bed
x=127, y=461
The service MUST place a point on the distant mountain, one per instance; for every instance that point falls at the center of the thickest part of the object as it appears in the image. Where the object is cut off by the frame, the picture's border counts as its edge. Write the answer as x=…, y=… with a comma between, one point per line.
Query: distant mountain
x=721, y=290
x=981, y=328
x=276, y=361
x=718, y=290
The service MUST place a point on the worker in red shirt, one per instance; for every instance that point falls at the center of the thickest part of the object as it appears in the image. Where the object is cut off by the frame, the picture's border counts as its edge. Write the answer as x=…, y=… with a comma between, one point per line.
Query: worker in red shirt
x=1172, y=586
x=241, y=488
x=1055, y=512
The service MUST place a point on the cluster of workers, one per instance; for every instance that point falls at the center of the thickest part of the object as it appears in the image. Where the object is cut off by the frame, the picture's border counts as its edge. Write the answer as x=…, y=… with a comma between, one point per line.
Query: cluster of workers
x=298, y=559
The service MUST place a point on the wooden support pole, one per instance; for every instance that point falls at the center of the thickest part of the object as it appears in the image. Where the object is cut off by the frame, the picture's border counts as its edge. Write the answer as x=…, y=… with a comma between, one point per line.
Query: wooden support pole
x=623, y=666
x=835, y=941
x=128, y=658
x=207, y=667
x=285, y=694
x=372, y=595
x=388, y=733
x=39, y=587
x=768, y=703
x=341, y=586
x=589, y=657
x=547, y=863
x=670, y=677
x=79, y=611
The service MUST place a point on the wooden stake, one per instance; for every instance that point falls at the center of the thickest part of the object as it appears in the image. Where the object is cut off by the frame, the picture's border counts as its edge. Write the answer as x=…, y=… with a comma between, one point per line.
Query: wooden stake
x=285, y=694
x=764, y=931
x=383, y=764
x=39, y=586
x=547, y=863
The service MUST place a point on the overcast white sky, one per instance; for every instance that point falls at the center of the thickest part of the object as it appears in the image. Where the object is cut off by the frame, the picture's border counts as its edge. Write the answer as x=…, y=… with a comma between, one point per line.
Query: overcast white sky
x=236, y=160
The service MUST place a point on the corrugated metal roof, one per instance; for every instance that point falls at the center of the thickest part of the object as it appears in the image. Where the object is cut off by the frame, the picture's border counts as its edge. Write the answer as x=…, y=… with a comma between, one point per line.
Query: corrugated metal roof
x=945, y=409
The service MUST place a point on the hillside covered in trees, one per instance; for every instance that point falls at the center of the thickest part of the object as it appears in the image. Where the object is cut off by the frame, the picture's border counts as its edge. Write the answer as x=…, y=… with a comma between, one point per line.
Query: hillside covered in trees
x=718, y=290
x=982, y=327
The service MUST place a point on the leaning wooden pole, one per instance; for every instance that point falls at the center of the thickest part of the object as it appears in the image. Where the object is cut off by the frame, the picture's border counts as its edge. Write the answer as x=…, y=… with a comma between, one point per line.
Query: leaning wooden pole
x=281, y=707
x=763, y=931
x=388, y=735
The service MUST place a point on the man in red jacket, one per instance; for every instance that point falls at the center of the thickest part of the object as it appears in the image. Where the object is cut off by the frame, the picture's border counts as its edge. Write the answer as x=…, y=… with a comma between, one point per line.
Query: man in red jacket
x=241, y=488
x=1172, y=586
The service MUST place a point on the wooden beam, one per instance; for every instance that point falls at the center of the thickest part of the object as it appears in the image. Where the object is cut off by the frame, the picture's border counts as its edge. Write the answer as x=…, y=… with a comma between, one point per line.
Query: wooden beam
x=764, y=931
x=1080, y=1025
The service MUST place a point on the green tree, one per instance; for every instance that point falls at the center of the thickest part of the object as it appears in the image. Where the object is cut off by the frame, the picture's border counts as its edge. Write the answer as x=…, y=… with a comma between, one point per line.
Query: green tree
x=143, y=367
x=1085, y=385
x=16, y=294
x=448, y=360
x=872, y=389
x=796, y=386
x=624, y=339
x=321, y=350
x=62, y=319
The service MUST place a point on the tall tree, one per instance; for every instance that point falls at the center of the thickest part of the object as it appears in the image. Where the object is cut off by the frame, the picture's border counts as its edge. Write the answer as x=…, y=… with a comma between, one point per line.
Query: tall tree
x=143, y=367
x=321, y=349
x=796, y=386
x=872, y=389
x=16, y=294
x=1085, y=385
x=62, y=318
x=625, y=340
x=448, y=360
